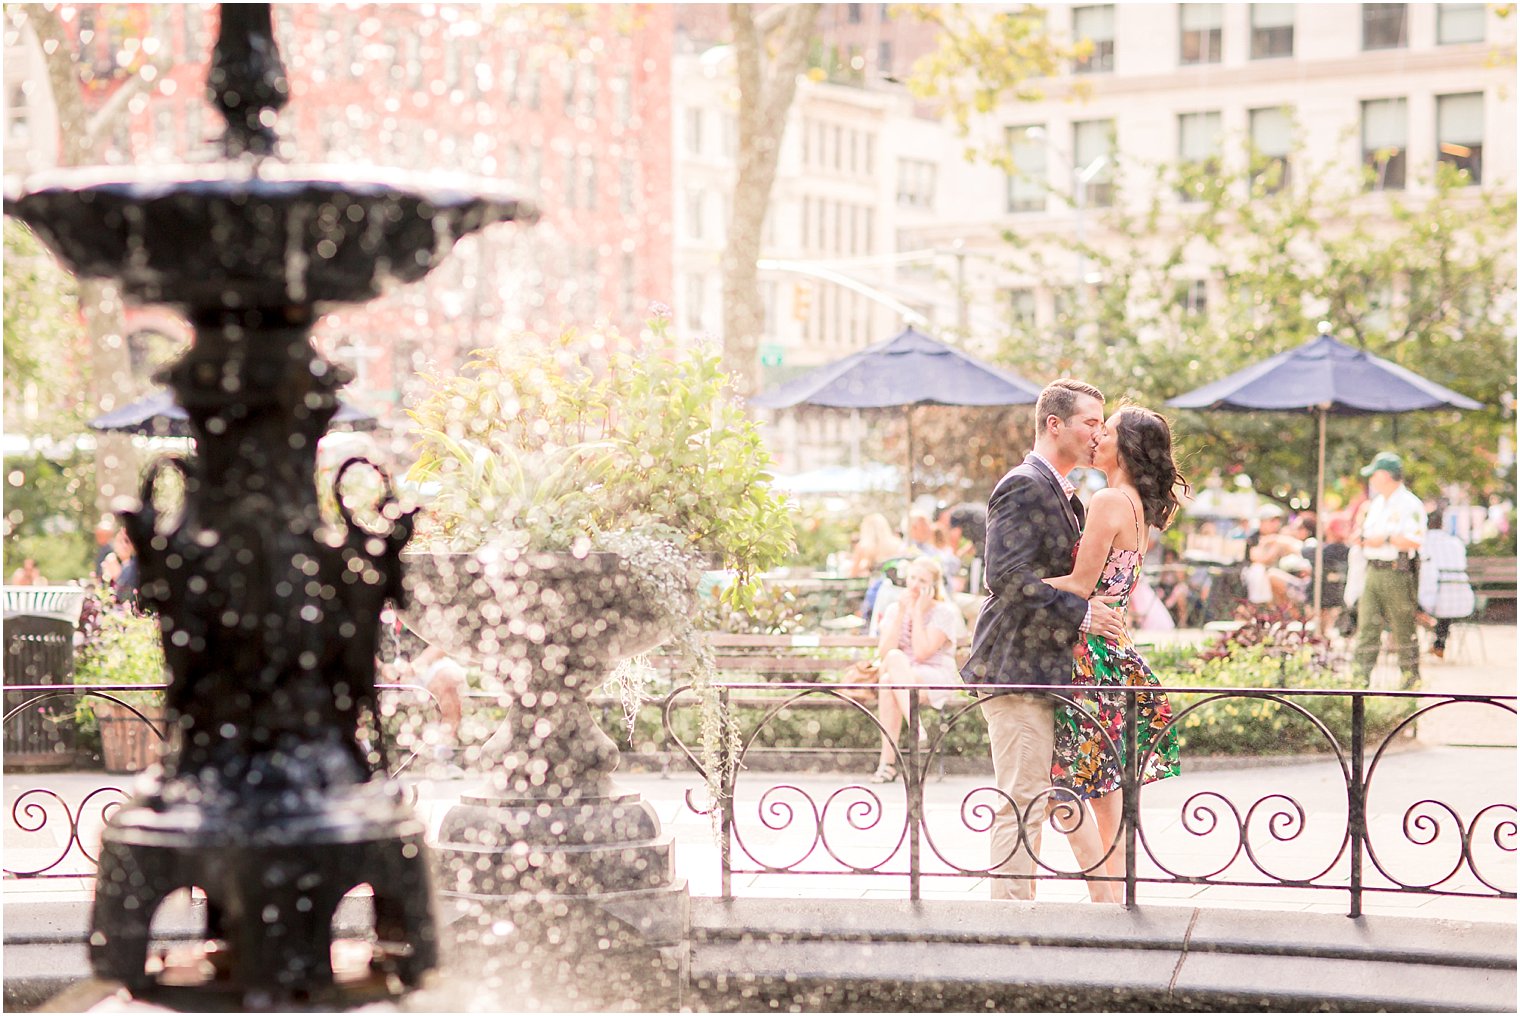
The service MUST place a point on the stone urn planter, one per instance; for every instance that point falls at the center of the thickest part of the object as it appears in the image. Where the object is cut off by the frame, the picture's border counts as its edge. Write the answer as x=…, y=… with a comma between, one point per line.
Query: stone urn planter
x=548, y=846
x=127, y=743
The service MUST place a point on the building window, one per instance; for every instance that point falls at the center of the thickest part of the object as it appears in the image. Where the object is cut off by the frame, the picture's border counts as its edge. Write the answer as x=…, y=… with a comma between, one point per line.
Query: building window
x=1021, y=308
x=1201, y=26
x=588, y=174
x=1271, y=31
x=1198, y=144
x=587, y=87
x=630, y=286
x=570, y=76
x=1272, y=137
x=1027, y=177
x=694, y=202
x=190, y=37
x=695, y=291
x=693, y=130
x=915, y=183
x=1095, y=24
x=511, y=73
x=1092, y=144
x=1193, y=297
x=1459, y=23
x=622, y=90
x=1459, y=133
x=729, y=134
x=884, y=57
x=1385, y=136
x=853, y=13
x=626, y=187
x=572, y=180
x=1385, y=26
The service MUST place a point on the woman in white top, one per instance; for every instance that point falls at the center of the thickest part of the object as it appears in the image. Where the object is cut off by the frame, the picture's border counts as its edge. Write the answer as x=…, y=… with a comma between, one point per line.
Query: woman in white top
x=918, y=633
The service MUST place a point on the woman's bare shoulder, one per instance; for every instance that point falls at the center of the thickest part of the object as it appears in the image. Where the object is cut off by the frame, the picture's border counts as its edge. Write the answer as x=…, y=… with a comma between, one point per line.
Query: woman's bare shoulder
x=1110, y=501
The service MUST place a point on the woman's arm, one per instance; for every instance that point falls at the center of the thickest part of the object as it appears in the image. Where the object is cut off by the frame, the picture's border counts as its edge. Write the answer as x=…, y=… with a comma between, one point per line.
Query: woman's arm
x=891, y=628
x=1103, y=519
x=927, y=639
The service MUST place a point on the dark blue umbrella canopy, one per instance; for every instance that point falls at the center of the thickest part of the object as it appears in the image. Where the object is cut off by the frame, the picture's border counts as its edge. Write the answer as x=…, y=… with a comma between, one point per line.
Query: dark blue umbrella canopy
x=910, y=369
x=1324, y=374
x=1326, y=378
x=160, y=416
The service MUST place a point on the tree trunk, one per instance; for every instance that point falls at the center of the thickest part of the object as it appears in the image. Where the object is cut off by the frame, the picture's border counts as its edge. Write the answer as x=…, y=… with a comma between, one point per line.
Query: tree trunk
x=109, y=369
x=767, y=84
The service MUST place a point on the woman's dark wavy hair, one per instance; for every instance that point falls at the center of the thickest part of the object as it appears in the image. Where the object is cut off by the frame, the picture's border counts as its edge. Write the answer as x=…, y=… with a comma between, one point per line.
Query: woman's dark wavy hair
x=1145, y=447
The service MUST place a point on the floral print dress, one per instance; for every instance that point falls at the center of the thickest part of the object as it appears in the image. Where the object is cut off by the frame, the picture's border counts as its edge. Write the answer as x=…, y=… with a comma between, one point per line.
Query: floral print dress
x=1084, y=762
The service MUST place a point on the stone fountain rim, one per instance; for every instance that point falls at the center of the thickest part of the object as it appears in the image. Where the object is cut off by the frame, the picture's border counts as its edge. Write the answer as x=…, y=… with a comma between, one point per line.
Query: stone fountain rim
x=269, y=179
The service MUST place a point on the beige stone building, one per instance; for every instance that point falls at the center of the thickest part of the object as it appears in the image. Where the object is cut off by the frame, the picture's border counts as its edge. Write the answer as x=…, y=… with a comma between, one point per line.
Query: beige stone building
x=1394, y=87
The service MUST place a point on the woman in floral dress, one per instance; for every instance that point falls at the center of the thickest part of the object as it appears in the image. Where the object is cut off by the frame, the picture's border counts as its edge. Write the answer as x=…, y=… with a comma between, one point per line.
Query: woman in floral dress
x=1135, y=453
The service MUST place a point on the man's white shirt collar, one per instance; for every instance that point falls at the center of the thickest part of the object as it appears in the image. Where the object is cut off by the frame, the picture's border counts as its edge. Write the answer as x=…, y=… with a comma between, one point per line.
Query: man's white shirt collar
x=1067, y=487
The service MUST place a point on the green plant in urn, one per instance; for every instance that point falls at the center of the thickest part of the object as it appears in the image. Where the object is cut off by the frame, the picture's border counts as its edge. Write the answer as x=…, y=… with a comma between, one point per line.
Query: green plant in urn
x=574, y=490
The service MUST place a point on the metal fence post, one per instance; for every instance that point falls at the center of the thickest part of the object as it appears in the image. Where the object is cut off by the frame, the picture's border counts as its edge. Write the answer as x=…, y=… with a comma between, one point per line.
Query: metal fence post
x=1356, y=795
x=1131, y=792
x=726, y=816
x=915, y=790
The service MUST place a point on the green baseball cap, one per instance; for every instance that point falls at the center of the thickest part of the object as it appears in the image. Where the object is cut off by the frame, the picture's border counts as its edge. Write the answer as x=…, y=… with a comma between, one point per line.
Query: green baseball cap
x=1388, y=462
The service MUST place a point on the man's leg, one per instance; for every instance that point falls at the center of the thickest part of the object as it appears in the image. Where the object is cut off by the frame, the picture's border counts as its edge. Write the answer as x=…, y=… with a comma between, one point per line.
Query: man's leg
x=1370, y=612
x=1401, y=609
x=1022, y=729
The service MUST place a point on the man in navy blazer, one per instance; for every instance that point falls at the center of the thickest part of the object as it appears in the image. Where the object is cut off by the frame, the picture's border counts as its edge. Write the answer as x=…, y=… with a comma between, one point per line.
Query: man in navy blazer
x=1027, y=630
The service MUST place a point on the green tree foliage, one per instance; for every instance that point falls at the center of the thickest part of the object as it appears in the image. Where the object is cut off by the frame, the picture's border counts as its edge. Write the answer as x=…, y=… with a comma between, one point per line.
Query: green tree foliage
x=1425, y=279
x=986, y=57
x=41, y=322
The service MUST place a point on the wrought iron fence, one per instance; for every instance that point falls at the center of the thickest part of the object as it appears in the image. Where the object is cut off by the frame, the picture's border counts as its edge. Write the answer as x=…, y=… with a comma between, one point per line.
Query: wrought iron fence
x=72, y=827
x=1422, y=845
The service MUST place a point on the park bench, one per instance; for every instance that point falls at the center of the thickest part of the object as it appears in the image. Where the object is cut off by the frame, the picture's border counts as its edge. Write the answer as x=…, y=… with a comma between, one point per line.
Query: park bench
x=754, y=658
x=1492, y=578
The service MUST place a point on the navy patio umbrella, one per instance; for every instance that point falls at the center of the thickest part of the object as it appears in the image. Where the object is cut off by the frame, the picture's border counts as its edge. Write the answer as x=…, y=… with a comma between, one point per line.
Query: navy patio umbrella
x=1327, y=378
x=159, y=415
x=907, y=370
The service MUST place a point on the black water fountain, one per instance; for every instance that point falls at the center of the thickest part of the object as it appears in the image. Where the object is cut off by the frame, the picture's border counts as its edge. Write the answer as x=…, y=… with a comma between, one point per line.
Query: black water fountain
x=265, y=798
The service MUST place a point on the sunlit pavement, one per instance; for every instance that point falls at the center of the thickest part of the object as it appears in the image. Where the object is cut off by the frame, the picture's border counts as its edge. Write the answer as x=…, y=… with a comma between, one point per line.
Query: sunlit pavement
x=1463, y=761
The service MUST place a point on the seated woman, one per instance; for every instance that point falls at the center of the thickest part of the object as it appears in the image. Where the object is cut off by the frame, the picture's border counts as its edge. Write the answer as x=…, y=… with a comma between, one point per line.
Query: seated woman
x=918, y=634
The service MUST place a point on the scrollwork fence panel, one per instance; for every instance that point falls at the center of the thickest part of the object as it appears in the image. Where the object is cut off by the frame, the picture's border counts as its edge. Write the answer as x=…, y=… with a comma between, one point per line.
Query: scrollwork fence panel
x=1389, y=836
x=68, y=831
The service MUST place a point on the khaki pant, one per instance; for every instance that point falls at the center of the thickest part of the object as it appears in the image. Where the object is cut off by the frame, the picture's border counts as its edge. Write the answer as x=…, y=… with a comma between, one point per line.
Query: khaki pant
x=1022, y=729
x=1387, y=601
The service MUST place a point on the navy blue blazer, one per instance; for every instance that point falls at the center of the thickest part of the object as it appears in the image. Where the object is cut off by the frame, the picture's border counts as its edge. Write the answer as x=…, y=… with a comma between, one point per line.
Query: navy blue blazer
x=1027, y=631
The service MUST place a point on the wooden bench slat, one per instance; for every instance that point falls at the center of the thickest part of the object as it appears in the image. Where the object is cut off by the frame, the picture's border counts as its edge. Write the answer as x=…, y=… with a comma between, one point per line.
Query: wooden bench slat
x=780, y=665
x=725, y=640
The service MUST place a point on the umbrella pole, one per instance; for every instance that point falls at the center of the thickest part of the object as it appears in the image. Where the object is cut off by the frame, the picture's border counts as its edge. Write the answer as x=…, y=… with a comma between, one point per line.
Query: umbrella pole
x=908, y=414
x=1319, y=530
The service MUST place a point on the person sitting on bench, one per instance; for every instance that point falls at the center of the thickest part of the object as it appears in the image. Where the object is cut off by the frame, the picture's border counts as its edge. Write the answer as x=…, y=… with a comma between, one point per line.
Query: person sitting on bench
x=918, y=634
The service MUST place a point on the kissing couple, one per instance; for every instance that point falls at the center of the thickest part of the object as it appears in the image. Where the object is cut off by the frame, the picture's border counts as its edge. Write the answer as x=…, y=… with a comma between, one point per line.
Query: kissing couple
x=1059, y=576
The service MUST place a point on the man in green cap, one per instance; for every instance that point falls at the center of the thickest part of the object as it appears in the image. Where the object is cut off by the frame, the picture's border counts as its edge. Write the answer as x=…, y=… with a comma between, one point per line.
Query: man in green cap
x=1392, y=528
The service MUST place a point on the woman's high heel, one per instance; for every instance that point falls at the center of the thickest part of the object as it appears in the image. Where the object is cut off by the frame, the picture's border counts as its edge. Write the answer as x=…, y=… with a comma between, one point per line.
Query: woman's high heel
x=885, y=773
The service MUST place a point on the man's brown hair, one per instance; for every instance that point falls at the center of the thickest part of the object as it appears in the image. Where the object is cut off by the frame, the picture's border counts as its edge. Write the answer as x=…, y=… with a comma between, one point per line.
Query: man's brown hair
x=1059, y=399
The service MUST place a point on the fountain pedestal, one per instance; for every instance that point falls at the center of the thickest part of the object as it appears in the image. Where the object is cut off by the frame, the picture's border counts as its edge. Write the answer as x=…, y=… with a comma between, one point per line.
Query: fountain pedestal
x=265, y=798
x=560, y=882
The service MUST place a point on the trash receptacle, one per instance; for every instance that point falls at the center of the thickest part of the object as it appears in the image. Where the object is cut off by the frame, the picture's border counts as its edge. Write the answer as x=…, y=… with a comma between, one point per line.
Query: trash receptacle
x=39, y=650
